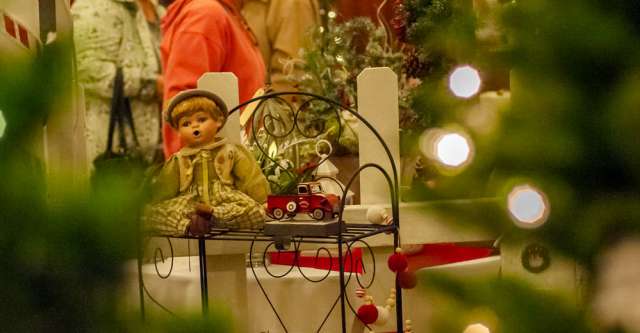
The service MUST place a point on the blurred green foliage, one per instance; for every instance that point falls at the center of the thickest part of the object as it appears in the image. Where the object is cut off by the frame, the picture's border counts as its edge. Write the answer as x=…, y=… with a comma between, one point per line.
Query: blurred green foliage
x=573, y=66
x=571, y=131
x=502, y=305
x=62, y=257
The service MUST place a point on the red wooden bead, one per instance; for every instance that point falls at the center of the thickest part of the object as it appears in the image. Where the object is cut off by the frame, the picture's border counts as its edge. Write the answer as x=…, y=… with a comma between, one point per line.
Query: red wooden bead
x=398, y=262
x=368, y=313
x=407, y=280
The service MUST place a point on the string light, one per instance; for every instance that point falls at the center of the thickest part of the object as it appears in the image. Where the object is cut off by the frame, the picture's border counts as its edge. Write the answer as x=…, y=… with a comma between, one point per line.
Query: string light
x=3, y=124
x=528, y=206
x=465, y=81
x=273, y=150
x=331, y=14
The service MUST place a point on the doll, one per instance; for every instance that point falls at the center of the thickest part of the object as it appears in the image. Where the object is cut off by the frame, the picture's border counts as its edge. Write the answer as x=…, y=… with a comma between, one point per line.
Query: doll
x=208, y=182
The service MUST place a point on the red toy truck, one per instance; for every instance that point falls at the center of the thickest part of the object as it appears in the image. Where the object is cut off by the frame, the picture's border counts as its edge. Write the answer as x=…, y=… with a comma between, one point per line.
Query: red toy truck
x=310, y=199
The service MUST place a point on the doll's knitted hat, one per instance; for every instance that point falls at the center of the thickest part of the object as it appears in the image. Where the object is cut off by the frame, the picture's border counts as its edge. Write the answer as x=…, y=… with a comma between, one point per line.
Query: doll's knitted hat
x=171, y=116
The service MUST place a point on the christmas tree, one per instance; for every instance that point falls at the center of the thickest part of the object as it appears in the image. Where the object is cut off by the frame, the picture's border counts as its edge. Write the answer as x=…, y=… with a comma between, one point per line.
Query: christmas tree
x=566, y=142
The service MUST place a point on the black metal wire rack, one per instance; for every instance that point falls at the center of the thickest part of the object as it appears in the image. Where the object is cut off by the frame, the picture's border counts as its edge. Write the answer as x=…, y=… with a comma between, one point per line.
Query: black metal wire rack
x=304, y=120
x=353, y=232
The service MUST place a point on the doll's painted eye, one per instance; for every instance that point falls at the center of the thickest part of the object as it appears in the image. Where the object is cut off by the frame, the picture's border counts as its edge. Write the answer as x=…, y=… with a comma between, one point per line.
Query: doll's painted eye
x=186, y=124
x=202, y=119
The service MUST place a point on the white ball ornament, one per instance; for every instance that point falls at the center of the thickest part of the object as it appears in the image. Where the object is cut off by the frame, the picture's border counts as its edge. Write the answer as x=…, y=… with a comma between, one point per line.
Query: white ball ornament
x=383, y=315
x=377, y=215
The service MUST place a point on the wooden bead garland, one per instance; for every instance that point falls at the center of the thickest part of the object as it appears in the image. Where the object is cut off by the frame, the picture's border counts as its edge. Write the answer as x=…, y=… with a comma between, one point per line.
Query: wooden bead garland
x=407, y=326
x=382, y=313
x=369, y=313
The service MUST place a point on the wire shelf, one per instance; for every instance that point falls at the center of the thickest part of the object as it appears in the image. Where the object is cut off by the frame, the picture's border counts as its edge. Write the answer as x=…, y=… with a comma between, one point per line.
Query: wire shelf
x=353, y=232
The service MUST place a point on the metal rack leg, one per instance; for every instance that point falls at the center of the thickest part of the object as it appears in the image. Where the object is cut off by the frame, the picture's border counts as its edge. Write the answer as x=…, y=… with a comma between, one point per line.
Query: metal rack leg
x=399, y=321
x=399, y=307
x=140, y=255
x=140, y=282
x=204, y=288
x=342, y=286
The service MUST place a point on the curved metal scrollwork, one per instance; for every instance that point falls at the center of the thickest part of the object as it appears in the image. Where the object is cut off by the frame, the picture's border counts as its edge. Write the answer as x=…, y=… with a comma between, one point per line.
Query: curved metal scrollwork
x=159, y=257
x=312, y=126
x=308, y=99
x=355, y=263
x=159, y=254
x=292, y=127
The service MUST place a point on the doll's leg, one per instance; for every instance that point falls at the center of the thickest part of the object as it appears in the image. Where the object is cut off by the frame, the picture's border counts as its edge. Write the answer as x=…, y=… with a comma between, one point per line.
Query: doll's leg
x=169, y=217
x=252, y=219
x=238, y=215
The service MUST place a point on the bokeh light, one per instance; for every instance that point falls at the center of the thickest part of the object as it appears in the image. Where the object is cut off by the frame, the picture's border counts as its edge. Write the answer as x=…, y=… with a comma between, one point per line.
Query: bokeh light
x=3, y=124
x=476, y=328
x=465, y=81
x=452, y=150
x=528, y=206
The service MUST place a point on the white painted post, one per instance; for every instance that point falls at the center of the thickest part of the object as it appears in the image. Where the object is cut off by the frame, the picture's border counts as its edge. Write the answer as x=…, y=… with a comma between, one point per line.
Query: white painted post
x=225, y=85
x=378, y=104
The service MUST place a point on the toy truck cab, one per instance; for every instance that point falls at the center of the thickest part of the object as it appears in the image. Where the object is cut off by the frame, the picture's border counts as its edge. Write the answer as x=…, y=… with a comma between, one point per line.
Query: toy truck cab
x=310, y=199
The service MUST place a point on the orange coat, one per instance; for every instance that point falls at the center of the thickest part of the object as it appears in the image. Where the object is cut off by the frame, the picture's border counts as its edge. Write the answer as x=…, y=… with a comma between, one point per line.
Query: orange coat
x=201, y=36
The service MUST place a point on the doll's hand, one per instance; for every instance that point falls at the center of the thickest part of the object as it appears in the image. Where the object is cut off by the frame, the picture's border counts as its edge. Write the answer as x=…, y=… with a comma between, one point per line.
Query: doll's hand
x=204, y=210
x=199, y=225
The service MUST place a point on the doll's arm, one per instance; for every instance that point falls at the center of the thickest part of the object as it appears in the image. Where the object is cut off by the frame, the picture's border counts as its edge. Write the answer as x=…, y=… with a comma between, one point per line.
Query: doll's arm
x=166, y=184
x=248, y=176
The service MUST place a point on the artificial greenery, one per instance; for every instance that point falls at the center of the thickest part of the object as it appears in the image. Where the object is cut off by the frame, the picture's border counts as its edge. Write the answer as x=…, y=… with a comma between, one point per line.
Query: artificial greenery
x=339, y=52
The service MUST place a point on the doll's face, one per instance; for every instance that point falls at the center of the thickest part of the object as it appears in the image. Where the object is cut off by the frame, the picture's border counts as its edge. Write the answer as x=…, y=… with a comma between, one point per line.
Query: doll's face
x=198, y=129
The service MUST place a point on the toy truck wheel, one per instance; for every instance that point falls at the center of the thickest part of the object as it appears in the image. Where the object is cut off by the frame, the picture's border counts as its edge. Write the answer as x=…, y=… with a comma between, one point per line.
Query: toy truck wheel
x=278, y=213
x=291, y=207
x=318, y=214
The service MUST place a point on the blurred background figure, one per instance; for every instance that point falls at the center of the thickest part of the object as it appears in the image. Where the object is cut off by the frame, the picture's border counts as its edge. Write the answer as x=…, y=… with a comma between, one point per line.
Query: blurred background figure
x=119, y=33
x=201, y=36
x=282, y=28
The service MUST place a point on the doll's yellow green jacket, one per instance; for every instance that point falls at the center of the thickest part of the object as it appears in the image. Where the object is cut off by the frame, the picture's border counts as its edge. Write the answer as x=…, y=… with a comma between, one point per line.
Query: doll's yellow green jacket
x=223, y=175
